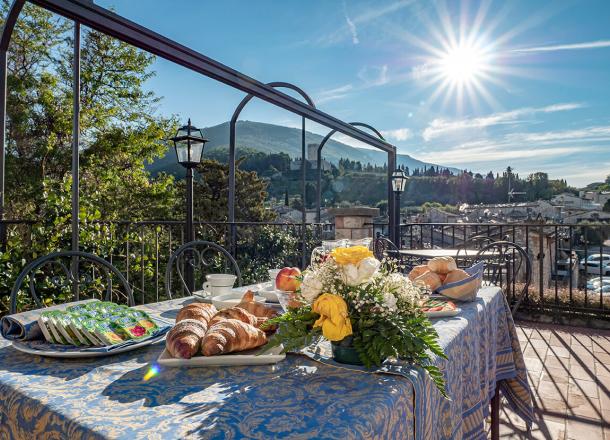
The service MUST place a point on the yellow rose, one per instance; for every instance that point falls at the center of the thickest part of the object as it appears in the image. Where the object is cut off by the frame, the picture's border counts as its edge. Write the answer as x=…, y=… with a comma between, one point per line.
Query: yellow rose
x=334, y=319
x=350, y=255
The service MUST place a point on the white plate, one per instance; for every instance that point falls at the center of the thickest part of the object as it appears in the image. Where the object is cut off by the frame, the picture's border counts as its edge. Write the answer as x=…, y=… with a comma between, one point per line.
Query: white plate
x=231, y=300
x=270, y=294
x=248, y=357
x=84, y=354
x=443, y=313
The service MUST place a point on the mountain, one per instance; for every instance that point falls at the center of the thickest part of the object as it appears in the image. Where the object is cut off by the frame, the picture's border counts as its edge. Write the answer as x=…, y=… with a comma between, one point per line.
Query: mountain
x=270, y=138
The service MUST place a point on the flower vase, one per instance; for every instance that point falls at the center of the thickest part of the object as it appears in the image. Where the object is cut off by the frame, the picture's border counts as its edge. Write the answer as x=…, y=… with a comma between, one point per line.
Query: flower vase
x=345, y=353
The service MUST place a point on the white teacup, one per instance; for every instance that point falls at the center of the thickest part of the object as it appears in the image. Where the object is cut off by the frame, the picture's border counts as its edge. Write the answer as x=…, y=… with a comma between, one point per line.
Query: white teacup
x=219, y=283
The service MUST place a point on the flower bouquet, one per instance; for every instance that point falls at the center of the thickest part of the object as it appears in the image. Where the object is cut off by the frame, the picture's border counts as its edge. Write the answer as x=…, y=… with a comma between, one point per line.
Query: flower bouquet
x=367, y=310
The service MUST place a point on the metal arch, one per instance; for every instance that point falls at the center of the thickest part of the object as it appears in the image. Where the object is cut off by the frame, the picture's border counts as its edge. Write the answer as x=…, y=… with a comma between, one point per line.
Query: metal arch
x=319, y=159
x=104, y=21
x=232, y=152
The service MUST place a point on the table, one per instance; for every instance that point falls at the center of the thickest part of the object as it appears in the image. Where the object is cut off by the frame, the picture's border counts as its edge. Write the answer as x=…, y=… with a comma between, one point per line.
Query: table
x=297, y=398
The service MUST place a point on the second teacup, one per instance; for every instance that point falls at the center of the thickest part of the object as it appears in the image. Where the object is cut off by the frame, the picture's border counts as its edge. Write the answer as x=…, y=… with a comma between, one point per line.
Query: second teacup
x=219, y=283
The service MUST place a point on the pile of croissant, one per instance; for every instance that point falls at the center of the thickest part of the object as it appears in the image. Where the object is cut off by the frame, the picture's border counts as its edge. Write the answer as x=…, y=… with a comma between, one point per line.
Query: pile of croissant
x=200, y=328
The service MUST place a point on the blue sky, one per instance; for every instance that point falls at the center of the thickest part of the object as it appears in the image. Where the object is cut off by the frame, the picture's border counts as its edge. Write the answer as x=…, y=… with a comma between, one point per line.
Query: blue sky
x=477, y=85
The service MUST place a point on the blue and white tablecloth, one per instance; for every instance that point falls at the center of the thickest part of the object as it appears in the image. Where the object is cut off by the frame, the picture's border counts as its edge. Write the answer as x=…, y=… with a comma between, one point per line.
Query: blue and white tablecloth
x=298, y=398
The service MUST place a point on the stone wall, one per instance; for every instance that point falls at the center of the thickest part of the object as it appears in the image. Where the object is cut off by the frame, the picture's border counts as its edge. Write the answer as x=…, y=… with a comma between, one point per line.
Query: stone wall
x=354, y=223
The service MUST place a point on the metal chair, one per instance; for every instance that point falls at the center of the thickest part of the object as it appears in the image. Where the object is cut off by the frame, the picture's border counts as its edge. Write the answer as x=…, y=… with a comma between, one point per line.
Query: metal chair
x=508, y=266
x=384, y=248
x=475, y=242
x=203, y=257
x=64, y=273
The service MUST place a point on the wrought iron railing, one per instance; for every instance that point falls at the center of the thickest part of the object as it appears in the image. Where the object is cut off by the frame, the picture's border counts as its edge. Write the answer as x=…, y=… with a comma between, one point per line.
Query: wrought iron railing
x=141, y=250
x=566, y=278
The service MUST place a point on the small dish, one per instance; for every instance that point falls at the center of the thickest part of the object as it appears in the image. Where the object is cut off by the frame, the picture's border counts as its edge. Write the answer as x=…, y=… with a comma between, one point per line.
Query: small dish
x=231, y=300
x=270, y=294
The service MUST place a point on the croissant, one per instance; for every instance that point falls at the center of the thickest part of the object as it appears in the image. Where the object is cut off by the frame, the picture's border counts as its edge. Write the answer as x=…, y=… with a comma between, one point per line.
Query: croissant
x=200, y=311
x=257, y=309
x=231, y=335
x=234, y=313
x=184, y=339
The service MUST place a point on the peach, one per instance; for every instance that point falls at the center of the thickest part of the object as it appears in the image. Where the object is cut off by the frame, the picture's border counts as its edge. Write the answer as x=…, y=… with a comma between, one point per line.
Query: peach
x=287, y=280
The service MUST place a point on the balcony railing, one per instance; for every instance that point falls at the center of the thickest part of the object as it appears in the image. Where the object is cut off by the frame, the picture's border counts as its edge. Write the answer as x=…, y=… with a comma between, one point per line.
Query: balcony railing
x=140, y=250
x=567, y=277
x=561, y=283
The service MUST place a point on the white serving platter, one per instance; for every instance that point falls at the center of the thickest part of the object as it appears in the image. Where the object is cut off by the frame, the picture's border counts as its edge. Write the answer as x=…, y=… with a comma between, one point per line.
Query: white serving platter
x=259, y=356
x=76, y=353
x=443, y=313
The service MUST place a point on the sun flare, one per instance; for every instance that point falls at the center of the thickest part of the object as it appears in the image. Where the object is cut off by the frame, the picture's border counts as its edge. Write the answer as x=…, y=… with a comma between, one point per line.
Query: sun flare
x=463, y=64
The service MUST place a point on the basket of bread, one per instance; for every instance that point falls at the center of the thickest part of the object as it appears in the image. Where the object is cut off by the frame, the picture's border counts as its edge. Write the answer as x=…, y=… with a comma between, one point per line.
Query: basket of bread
x=441, y=275
x=205, y=336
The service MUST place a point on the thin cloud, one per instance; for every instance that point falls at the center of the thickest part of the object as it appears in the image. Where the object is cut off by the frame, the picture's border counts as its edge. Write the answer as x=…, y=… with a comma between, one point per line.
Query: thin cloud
x=498, y=152
x=440, y=126
x=351, y=23
x=574, y=46
x=374, y=76
x=399, y=134
x=333, y=94
x=351, y=26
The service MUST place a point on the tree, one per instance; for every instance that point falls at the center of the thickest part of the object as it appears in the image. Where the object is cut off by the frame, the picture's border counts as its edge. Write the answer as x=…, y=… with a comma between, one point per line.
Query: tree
x=119, y=126
x=211, y=191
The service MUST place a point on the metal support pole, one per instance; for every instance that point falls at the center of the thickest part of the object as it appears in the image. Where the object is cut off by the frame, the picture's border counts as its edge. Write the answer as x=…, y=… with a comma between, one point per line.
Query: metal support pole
x=391, y=198
x=3, y=77
x=398, y=240
x=231, y=201
x=75, y=155
x=5, y=38
x=319, y=187
x=495, y=414
x=190, y=234
x=304, y=195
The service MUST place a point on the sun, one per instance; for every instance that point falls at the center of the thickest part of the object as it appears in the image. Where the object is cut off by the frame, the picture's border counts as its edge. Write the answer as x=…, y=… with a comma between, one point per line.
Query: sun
x=463, y=65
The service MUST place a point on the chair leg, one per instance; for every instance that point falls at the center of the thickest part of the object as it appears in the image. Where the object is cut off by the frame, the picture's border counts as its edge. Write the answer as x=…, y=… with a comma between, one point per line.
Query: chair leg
x=495, y=414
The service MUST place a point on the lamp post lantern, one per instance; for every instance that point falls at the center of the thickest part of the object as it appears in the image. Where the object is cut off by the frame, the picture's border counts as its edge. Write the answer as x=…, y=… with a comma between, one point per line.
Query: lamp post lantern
x=189, y=143
x=399, y=183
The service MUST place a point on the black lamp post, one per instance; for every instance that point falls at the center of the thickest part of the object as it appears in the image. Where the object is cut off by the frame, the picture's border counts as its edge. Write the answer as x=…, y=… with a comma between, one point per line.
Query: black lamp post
x=189, y=143
x=399, y=183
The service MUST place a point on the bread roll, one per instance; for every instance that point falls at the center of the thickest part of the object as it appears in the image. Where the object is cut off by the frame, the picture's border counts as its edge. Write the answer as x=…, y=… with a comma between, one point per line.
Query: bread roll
x=417, y=271
x=455, y=276
x=430, y=279
x=442, y=264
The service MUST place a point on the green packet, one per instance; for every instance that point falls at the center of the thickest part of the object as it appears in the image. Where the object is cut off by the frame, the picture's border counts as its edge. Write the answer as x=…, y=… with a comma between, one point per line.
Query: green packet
x=132, y=328
x=142, y=319
x=54, y=323
x=107, y=334
x=85, y=325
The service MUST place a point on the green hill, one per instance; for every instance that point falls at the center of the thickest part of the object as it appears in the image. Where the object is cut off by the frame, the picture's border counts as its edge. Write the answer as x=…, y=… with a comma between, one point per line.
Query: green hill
x=270, y=138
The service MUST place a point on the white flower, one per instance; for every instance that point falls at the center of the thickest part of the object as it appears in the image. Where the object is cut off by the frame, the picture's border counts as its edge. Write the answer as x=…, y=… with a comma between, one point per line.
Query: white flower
x=350, y=275
x=367, y=268
x=389, y=301
x=311, y=287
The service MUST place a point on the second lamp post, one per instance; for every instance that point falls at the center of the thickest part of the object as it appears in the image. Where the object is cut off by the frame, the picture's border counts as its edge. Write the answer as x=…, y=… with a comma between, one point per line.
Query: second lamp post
x=399, y=183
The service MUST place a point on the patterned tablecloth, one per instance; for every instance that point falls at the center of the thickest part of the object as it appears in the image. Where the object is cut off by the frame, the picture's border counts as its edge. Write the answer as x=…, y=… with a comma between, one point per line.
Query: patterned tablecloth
x=298, y=398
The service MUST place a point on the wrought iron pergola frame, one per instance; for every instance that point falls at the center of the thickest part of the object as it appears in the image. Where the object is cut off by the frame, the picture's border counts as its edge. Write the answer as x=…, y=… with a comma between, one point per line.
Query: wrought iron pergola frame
x=85, y=12
x=232, y=152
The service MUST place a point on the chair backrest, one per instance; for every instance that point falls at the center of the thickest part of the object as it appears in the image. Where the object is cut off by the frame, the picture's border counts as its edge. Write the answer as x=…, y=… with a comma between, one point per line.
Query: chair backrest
x=61, y=276
x=383, y=247
x=475, y=242
x=508, y=266
x=202, y=258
